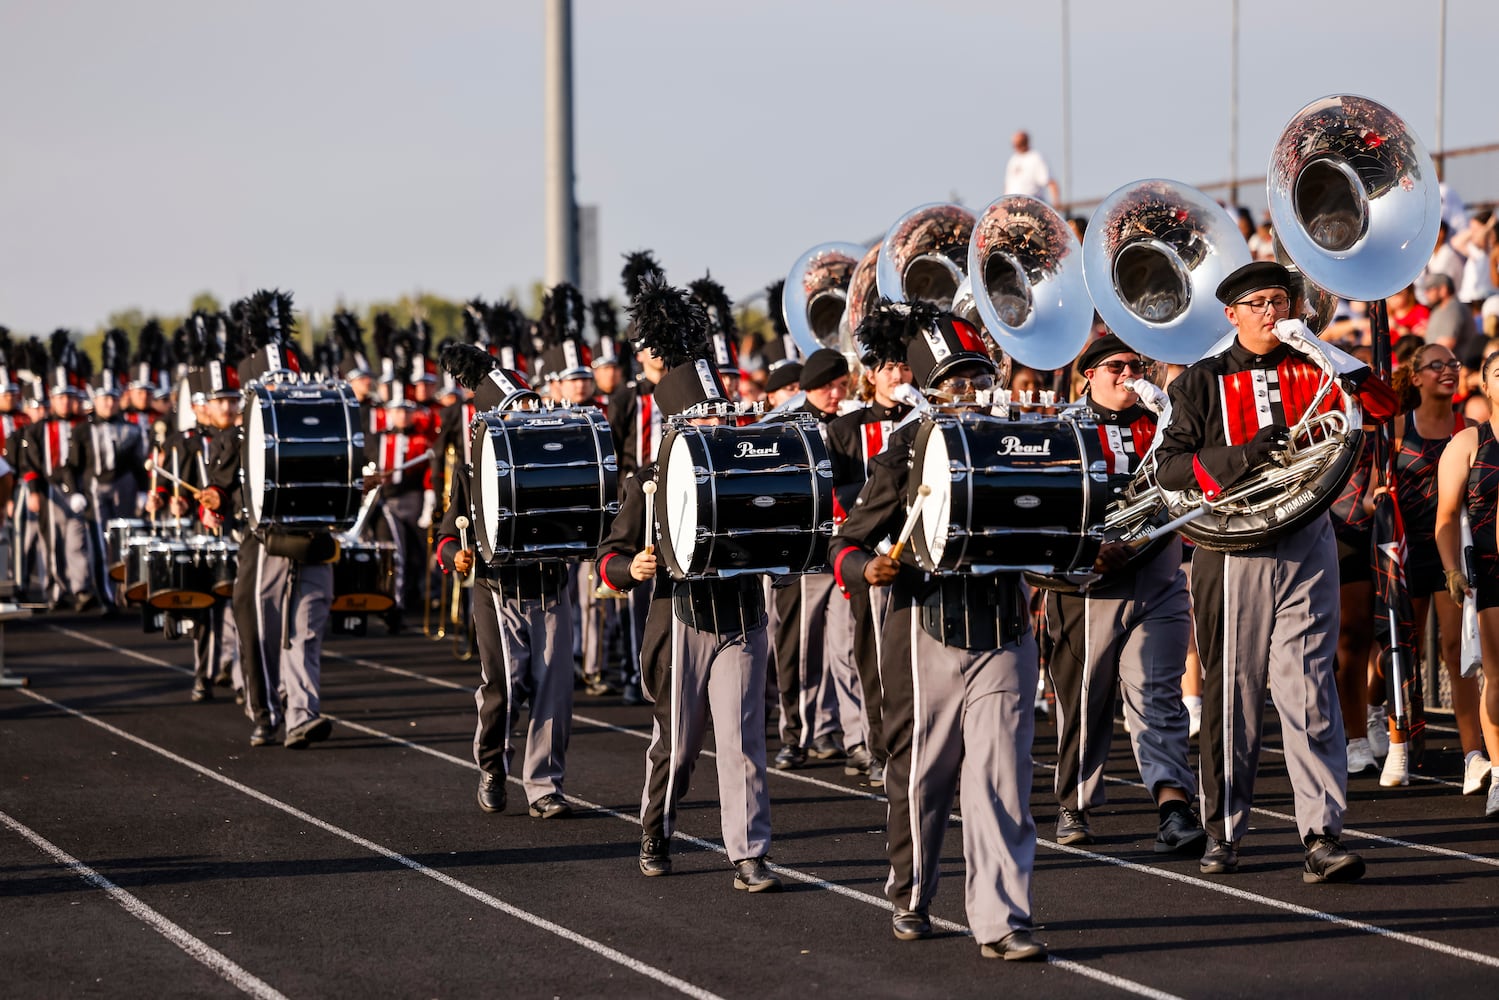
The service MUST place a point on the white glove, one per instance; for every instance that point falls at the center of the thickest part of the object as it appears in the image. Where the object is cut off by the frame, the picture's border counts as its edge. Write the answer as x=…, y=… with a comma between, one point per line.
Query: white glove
x=78, y=502
x=429, y=506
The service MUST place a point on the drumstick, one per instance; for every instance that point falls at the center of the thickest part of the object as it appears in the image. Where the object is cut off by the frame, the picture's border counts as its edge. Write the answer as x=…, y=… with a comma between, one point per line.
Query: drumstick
x=650, y=513
x=922, y=492
x=176, y=482
x=462, y=523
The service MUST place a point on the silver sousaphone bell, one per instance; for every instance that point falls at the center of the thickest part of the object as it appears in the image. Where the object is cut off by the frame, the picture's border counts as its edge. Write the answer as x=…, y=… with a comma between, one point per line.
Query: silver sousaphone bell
x=815, y=299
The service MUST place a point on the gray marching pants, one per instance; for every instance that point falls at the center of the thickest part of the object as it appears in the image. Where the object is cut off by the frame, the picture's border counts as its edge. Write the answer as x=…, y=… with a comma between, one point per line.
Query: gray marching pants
x=110, y=501
x=724, y=674
x=294, y=673
x=801, y=658
x=66, y=545
x=1269, y=617
x=525, y=654
x=843, y=697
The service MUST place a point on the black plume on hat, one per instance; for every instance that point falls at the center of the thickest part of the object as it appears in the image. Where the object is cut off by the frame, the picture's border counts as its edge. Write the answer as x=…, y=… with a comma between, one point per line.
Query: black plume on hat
x=421, y=337
x=563, y=315
x=466, y=363
x=605, y=319
x=669, y=322
x=476, y=370
x=115, y=352
x=716, y=302
x=884, y=334
x=31, y=355
x=267, y=320
x=348, y=336
x=639, y=265
x=385, y=332
x=475, y=323
x=774, y=292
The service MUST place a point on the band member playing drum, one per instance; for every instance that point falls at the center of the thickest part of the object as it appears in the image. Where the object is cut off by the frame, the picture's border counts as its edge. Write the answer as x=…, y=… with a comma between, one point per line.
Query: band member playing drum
x=705, y=645
x=1128, y=630
x=523, y=622
x=1266, y=616
x=958, y=664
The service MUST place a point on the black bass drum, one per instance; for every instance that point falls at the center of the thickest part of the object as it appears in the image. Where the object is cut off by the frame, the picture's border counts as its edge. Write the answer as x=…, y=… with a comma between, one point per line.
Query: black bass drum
x=755, y=499
x=1008, y=495
x=302, y=453
x=545, y=484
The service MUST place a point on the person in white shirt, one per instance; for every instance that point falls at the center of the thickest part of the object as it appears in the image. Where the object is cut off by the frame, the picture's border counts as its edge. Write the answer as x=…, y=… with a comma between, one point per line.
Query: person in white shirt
x=1026, y=173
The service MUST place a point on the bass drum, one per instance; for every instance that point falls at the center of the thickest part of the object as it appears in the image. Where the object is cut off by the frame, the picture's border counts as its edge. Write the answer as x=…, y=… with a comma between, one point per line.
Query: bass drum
x=756, y=499
x=364, y=578
x=545, y=484
x=1008, y=495
x=303, y=450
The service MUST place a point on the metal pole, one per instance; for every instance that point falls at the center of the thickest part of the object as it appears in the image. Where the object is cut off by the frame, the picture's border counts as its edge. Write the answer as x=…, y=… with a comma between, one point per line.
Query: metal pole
x=561, y=210
x=1441, y=145
x=1066, y=103
x=1233, y=110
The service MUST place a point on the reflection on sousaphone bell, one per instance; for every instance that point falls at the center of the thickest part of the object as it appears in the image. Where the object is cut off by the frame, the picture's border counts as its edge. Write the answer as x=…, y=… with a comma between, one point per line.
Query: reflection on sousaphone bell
x=923, y=255
x=815, y=298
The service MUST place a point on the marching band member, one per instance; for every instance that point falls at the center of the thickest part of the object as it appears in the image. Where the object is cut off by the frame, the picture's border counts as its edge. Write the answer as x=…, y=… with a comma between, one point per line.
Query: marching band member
x=958, y=666
x=407, y=498
x=284, y=584
x=1128, y=631
x=523, y=624
x=705, y=644
x=1267, y=616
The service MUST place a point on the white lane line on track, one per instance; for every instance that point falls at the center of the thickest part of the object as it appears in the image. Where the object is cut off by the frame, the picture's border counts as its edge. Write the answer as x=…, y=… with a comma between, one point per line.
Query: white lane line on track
x=1117, y=982
x=196, y=949
x=1267, y=901
x=567, y=934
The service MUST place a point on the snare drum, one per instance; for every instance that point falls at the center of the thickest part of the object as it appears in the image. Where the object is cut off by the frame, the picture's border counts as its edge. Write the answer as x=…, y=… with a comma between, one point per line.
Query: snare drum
x=137, y=574
x=302, y=455
x=222, y=556
x=179, y=577
x=117, y=534
x=1009, y=495
x=545, y=484
x=364, y=578
x=756, y=499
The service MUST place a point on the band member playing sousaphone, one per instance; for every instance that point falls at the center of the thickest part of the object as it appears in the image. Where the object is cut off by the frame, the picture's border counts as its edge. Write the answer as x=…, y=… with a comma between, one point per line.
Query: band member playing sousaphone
x=958, y=665
x=523, y=623
x=1128, y=630
x=1266, y=616
x=705, y=645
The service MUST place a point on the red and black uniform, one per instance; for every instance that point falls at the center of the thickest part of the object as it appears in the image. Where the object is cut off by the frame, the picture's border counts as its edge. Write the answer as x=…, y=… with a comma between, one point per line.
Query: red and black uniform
x=1481, y=499
x=1352, y=524
x=403, y=499
x=45, y=467
x=1416, y=464
x=636, y=424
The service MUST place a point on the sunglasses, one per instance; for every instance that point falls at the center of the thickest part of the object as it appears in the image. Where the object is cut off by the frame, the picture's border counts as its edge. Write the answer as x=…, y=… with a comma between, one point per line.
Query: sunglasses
x=1439, y=366
x=1119, y=367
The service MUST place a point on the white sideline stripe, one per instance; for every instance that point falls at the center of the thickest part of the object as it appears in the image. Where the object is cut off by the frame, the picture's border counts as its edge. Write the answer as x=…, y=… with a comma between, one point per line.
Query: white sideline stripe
x=196, y=949
x=567, y=934
x=1476, y=957
x=880, y=902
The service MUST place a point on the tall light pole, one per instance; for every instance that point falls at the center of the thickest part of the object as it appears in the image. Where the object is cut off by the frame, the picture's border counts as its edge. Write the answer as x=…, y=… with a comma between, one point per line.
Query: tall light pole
x=1233, y=110
x=1441, y=145
x=561, y=210
x=1066, y=104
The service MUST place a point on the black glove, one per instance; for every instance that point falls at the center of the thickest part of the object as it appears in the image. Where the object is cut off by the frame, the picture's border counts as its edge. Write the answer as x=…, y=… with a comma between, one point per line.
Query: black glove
x=1269, y=439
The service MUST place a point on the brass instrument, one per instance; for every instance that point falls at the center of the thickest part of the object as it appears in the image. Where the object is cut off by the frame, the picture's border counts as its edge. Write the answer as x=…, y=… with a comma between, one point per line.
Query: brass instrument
x=815, y=298
x=449, y=461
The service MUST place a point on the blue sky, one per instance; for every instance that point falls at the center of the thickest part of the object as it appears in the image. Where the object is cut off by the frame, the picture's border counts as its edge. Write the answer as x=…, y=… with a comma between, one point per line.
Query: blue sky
x=359, y=150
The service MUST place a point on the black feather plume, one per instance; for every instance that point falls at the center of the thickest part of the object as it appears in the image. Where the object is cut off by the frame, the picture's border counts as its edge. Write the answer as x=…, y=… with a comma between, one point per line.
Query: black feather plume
x=775, y=293
x=150, y=344
x=114, y=354
x=888, y=328
x=475, y=323
x=5, y=346
x=563, y=314
x=638, y=266
x=348, y=334
x=605, y=319
x=32, y=356
x=669, y=322
x=467, y=364
x=421, y=337
x=267, y=320
x=716, y=301
x=385, y=333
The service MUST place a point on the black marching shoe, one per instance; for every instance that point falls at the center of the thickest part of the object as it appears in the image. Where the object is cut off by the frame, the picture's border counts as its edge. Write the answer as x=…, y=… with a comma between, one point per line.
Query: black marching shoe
x=631, y=694
x=654, y=857
x=551, y=806
x=1327, y=860
x=911, y=925
x=790, y=758
x=754, y=875
x=825, y=748
x=1220, y=858
x=314, y=730
x=1016, y=946
x=491, y=792
x=1072, y=827
x=201, y=690
x=264, y=736
x=1180, y=833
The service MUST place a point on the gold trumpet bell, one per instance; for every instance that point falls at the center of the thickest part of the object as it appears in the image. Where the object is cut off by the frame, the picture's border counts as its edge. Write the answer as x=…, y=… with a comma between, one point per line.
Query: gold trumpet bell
x=1353, y=197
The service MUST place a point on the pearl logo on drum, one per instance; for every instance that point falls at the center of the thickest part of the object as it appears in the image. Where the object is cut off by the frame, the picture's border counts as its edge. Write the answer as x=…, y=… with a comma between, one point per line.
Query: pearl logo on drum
x=1010, y=444
x=747, y=449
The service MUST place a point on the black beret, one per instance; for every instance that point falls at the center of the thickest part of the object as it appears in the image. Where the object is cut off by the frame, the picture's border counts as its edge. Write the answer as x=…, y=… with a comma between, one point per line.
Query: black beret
x=823, y=366
x=783, y=374
x=1098, y=350
x=1252, y=278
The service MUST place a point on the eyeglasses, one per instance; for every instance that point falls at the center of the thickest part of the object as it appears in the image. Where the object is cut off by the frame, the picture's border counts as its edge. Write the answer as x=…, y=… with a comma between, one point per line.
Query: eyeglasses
x=1280, y=303
x=1439, y=366
x=957, y=385
x=1118, y=367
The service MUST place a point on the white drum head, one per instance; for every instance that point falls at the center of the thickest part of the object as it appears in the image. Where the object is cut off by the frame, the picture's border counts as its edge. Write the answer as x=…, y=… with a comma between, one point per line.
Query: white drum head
x=936, y=509
x=680, y=494
x=488, y=493
x=255, y=460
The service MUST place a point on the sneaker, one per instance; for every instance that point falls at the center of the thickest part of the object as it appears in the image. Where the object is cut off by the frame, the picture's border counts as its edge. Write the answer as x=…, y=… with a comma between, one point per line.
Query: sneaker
x=1327, y=860
x=1397, y=770
x=911, y=925
x=655, y=858
x=876, y=775
x=1476, y=773
x=1491, y=808
x=825, y=748
x=551, y=806
x=1016, y=946
x=1072, y=827
x=1180, y=833
x=1360, y=757
x=859, y=760
x=491, y=794
x=790, y=758
x=1221, y=858
x=314, y=730
x=754, y=875
x=201, y=690
x=1379, y=730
